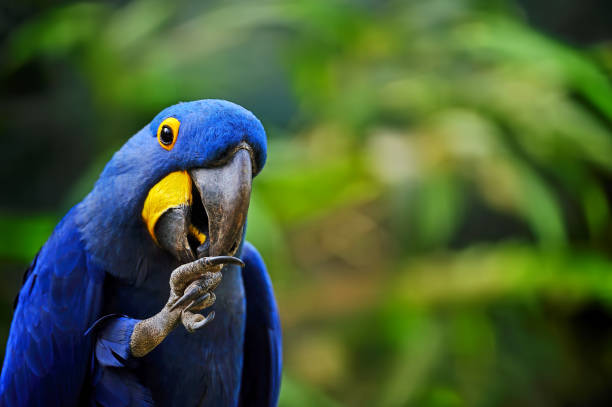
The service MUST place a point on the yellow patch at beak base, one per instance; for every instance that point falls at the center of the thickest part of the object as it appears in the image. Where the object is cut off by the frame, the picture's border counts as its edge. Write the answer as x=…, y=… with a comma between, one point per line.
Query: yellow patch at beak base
x=172, y=191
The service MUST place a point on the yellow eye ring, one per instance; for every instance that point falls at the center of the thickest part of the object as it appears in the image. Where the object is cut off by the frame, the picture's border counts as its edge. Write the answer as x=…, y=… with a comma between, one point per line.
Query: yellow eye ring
x=167, y=132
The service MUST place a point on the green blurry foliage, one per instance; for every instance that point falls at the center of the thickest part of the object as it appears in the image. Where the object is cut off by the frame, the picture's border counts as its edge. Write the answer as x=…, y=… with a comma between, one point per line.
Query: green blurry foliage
x=434, y=209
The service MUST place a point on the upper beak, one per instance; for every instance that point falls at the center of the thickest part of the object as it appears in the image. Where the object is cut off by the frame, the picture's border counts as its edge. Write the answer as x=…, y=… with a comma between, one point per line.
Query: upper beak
x=213, y=224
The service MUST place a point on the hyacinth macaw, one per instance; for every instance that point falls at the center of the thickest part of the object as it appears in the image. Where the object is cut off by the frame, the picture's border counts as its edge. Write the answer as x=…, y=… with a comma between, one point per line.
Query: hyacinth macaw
x=97, y=321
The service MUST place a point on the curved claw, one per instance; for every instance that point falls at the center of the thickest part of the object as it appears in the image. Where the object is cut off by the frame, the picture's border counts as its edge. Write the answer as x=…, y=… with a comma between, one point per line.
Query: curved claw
x=198, y=301
x=216, y=260
x=204, y=301
x=190, y=295
x=193, y=322
x=197, y=288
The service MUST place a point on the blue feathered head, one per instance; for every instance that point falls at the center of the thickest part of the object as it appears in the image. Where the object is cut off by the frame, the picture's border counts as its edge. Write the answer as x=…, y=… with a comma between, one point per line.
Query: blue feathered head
x=178, y=189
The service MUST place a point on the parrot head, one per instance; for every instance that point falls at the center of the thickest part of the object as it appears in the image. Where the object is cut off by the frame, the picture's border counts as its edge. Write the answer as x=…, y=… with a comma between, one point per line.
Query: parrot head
x=180, y=186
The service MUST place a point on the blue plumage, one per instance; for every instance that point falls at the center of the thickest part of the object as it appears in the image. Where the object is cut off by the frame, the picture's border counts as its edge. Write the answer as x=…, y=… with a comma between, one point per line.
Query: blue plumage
x=47, y=355
x=101, y=263
x=262, y=348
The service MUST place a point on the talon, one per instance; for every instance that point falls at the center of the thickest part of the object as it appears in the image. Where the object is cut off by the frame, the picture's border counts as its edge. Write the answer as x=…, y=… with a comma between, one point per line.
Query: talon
x=198, y=287
x=217, y=260
x=190, y=295
x=196, y=302
x=193, y=322
x=204, y=301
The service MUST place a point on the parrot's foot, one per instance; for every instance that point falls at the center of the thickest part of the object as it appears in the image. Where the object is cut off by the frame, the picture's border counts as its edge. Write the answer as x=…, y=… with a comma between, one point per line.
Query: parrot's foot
x=197, y=289
x=191, y=287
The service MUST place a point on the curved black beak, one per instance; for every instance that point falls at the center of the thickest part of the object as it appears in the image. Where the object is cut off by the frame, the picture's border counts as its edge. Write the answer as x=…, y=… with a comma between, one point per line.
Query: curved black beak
x=214, y=222
x=226, y=193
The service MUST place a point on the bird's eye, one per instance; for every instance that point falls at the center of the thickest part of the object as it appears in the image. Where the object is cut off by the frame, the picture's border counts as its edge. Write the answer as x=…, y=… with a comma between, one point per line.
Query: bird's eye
x=167, y=132
x=166, y=136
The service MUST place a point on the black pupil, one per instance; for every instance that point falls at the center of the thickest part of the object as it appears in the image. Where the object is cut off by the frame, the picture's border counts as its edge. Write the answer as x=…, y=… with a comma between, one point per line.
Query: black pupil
x=166, y=135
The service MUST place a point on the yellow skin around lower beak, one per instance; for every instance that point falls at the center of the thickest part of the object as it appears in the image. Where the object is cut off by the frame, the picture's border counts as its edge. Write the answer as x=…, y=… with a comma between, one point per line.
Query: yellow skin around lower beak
x=172, y=191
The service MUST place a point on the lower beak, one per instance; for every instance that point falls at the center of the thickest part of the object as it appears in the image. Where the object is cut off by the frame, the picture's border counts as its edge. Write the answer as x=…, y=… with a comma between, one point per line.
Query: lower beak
x=213, y=224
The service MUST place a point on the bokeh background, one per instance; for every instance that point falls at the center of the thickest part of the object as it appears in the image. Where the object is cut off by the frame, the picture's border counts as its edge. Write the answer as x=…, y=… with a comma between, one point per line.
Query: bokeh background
x=436, y=208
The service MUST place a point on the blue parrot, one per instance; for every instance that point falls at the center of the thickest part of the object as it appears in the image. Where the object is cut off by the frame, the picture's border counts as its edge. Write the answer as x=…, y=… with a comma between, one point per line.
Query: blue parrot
x=159, y=238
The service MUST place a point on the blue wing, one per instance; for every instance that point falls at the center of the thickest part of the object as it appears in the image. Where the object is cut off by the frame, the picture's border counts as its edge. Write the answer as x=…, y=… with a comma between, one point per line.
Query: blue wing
x=113, y=382
x=261, y=372
x=47, y=356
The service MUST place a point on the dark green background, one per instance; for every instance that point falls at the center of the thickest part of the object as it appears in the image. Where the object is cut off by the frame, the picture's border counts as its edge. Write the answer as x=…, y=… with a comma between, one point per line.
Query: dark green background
x=435, y=212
